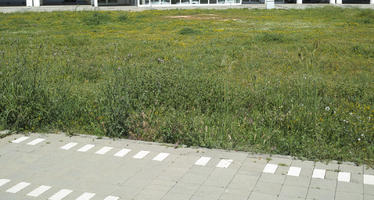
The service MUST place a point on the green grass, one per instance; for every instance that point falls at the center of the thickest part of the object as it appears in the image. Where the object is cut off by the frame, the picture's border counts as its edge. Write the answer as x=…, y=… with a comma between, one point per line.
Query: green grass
x=294, y=82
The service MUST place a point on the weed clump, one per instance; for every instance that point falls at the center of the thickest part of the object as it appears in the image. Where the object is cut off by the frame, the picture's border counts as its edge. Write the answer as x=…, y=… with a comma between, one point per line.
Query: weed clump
x=365, y=17
x=96, y=18
x=123, y=18
x=270, y=37
x=188, y=31
x=363, y=50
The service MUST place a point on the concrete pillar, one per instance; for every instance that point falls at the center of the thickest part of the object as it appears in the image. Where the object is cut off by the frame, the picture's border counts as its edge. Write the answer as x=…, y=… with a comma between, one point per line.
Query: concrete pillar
x=96, y=3
x=37, y=3
x=339, y=1
x=332, y=1
x=371, y=1
x=29, y=3
x=299, y=1
x=269, y=4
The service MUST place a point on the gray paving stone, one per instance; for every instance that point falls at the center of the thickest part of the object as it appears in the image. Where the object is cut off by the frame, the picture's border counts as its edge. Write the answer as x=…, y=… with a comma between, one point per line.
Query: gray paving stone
x=294, y=191
x=245, y=182
x=268, y=188
x=229, y=196
x=320, y=194
x=323, y=184
x=196, y=178
x=175, y=178
x=157, y=187
x=163, y=182
x=252, y=167
x=306, y=172
x=127, y=192
x=74, y=195
x=9, y=196
x=177, y=196
x=306, y=167
x=297, y=181
x=303, y=163
x=368, y=197
x=272, y=178
x=368, y=170
x=357, y=178
x=351, y=168
x=349, y=196
x=332, y=165
x=208, y=192
x=262, y=196
x=350, y=187
x=281, y=161
x=211, y=197
x=289, y=198
x=173, y=175
x=331, y=175
x=282, y=170
x=220, y=177
x=188, y=188
x=235, y=194
x=369, y=189
x=150, y=194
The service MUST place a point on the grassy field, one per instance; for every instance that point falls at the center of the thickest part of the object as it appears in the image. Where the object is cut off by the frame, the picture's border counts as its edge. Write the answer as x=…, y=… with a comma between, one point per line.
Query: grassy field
x=293, y=82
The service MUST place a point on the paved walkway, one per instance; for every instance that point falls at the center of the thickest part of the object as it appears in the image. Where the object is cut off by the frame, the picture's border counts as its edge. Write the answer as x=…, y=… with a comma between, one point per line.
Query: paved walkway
x=57, y=167
x=134, y=8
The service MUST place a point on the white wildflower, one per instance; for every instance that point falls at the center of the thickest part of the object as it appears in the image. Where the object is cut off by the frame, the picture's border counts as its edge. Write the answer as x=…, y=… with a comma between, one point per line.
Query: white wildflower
x=327, y=108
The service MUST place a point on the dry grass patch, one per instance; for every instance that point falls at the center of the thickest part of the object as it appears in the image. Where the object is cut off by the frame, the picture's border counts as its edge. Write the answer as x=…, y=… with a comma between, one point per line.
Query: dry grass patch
x=201, y=17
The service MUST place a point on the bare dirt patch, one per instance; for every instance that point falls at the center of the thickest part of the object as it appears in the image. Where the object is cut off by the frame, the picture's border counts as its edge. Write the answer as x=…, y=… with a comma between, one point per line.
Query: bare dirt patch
x=199, y=17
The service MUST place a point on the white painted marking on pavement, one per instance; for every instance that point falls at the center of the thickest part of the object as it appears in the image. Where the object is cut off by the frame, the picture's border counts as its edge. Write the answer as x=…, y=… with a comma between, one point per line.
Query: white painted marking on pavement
x=270, y=168
x=104, y=150
x=18, y=187
x=122, y=152
x=38, y=191
x=69, y=146
x=294, y=171
x=203, y=161
x=60, y=194
x=141, y=154
x=86, y=147
x=111, y=198
x=161, y=156
x=36, y=141
x=344, y=176
x=19, y=140
x=224, y=163
x=4, y=181
x=368, y=179
x=86, y=196
x=319, y=173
